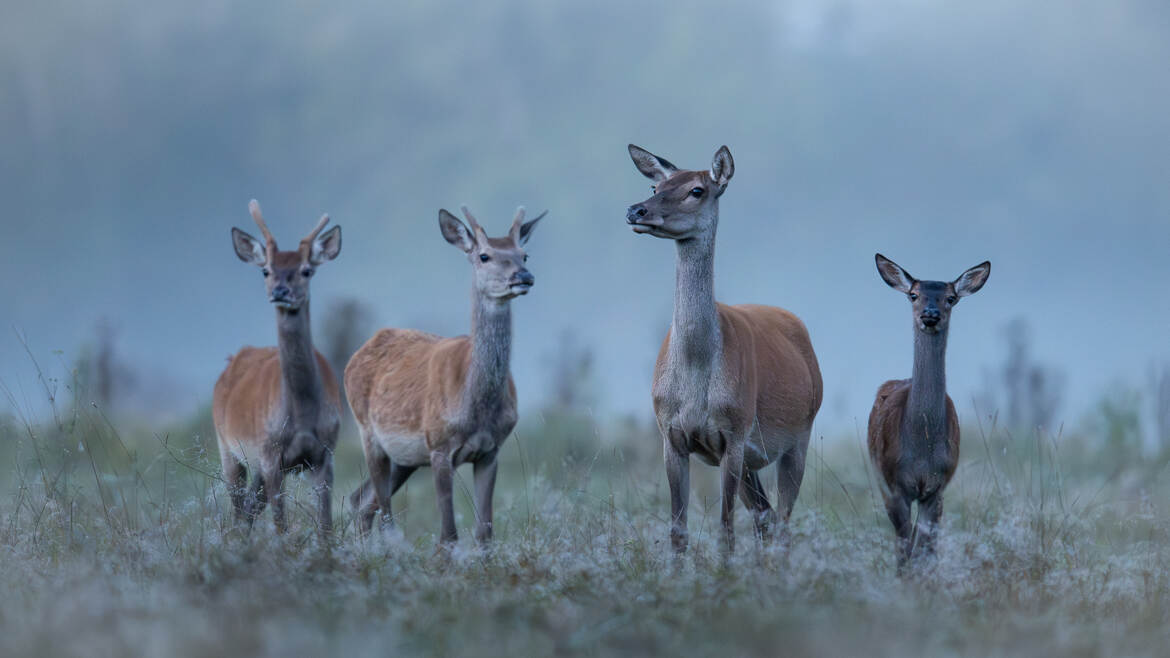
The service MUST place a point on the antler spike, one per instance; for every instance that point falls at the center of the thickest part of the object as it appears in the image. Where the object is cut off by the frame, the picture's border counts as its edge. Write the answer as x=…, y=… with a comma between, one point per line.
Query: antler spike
x=254, y=208
x=320, y=225
x=469, y=216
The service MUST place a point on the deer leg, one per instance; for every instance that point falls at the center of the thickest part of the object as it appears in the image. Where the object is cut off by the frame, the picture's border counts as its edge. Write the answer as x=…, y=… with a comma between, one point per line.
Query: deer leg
x=678, y=474
x=379, y=490
x=485, y=485
x=274, y=486
x=731, y=472
x=789, y=475
x=898, y=509
x=323, y=486
x=929, y=515
x=236, y=477
x=755, y=499
x=257, y=499
x=441, y=465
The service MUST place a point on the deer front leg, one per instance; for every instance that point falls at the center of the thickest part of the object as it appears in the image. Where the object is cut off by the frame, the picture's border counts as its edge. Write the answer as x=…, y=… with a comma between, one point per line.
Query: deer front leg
x=929, y=517
x=731, y=467
x=236, y=477
x=441, y=465
x=323, y=486
x=485, y=485
x=898, y=509
x=678, y=474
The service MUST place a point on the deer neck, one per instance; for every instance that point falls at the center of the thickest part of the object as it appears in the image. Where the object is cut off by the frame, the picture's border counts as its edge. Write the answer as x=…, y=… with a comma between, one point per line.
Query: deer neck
x=300, y=379
x=491, y=348
x=926, y=406
x=694, y=331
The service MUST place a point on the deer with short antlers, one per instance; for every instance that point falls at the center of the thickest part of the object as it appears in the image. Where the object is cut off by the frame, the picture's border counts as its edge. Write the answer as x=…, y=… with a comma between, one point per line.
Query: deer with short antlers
x=277, y=409
x=738, y=386
x=420, y=399
x=913, y=428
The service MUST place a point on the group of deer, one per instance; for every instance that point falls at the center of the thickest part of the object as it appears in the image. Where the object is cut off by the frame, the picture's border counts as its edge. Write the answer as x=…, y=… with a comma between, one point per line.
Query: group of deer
x=737, y=386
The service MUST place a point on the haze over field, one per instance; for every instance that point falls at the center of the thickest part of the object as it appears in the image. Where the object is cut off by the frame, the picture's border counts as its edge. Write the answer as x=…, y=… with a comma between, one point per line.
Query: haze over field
x=941, y=134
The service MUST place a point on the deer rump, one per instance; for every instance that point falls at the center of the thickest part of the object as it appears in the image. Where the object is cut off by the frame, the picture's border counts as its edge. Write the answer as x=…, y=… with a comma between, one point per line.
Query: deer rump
x=404, y=387
x=766, y=383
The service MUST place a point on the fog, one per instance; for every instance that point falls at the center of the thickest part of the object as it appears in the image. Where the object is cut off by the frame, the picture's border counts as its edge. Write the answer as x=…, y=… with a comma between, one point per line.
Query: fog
x=1035, y=135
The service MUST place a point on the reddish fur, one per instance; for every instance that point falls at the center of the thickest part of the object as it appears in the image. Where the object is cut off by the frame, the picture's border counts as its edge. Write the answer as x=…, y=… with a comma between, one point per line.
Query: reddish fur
x=885, y=426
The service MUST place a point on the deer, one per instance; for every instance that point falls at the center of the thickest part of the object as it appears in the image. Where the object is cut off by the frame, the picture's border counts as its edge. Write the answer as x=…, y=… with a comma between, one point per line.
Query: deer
x=737, y=386
x=277, y=409
x=424, y=400
x=913, y=432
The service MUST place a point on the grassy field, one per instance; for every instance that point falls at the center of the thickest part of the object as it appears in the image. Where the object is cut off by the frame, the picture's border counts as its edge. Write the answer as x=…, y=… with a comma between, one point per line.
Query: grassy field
x=116, y=541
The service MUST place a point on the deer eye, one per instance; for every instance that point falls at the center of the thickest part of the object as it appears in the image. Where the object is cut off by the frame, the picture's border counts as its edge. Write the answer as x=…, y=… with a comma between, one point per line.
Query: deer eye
x=913, y=296
x=264, y=271
x=307, y=272
x=483, y=258
x=697, y=192
x=525, y=258
x=952, y=299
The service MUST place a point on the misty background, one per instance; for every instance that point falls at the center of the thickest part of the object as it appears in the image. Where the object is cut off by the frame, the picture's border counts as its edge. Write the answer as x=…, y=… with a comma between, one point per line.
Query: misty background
x=1035, y=135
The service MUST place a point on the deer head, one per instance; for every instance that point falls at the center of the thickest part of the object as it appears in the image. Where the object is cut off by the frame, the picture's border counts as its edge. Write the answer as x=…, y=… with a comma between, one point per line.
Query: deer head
x=932, y=301
x=684, y=202
x=287, y=273
x=498, y=263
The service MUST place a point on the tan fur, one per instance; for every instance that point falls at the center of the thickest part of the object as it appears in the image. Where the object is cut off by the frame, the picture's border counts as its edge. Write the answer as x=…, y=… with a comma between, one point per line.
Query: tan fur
x=407, y=381
x=247, y=397
x=768, y=355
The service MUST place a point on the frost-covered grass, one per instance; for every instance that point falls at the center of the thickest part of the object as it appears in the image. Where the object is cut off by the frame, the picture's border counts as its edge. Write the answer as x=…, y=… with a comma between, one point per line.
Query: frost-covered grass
x=120, y=543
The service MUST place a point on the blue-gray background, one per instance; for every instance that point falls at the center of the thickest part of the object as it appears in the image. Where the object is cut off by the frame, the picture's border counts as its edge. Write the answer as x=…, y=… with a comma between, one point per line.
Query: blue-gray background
x=1033, y=134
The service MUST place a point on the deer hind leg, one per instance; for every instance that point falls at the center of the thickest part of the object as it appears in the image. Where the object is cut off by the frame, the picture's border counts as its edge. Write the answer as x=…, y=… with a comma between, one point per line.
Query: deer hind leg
x=755, y=499
x=678, y=474
x=731, y=474
x=374, y=493
x=256, y=499
x=274, y=489
x=898, y=509
x=789, y=475
x=235, y=474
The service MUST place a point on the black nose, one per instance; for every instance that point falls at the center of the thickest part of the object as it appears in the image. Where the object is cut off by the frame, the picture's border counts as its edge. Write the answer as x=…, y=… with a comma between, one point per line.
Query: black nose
x=524, y=277
x=280, y=292
x=930, y=317
x=634, y=213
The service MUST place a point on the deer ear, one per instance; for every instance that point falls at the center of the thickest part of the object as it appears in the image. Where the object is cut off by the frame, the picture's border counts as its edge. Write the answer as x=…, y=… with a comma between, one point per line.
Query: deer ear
x=893, y=274
x=653, y=167
x=326, y=246
x=722, y=166
x=972, y=280
x=456, y=232
x=248, y=248
x=527, y=227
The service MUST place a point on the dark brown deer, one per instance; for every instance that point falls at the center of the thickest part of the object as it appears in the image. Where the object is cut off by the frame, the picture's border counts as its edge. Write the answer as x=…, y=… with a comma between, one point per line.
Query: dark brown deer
x=277, y=408
x=913, y=427
x=738, y=386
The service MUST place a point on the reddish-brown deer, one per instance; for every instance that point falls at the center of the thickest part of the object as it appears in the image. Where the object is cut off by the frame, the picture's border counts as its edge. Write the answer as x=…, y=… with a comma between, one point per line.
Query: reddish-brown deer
x=421, y=400
x=913, y=428
x=277, y=409
x=738, y=386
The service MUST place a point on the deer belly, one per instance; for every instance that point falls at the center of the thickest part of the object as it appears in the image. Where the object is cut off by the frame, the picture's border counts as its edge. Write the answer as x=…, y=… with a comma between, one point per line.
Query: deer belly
x=406, y=449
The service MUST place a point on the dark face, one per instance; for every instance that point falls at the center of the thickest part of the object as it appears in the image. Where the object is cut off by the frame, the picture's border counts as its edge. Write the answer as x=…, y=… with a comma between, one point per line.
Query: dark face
x=932, y=301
